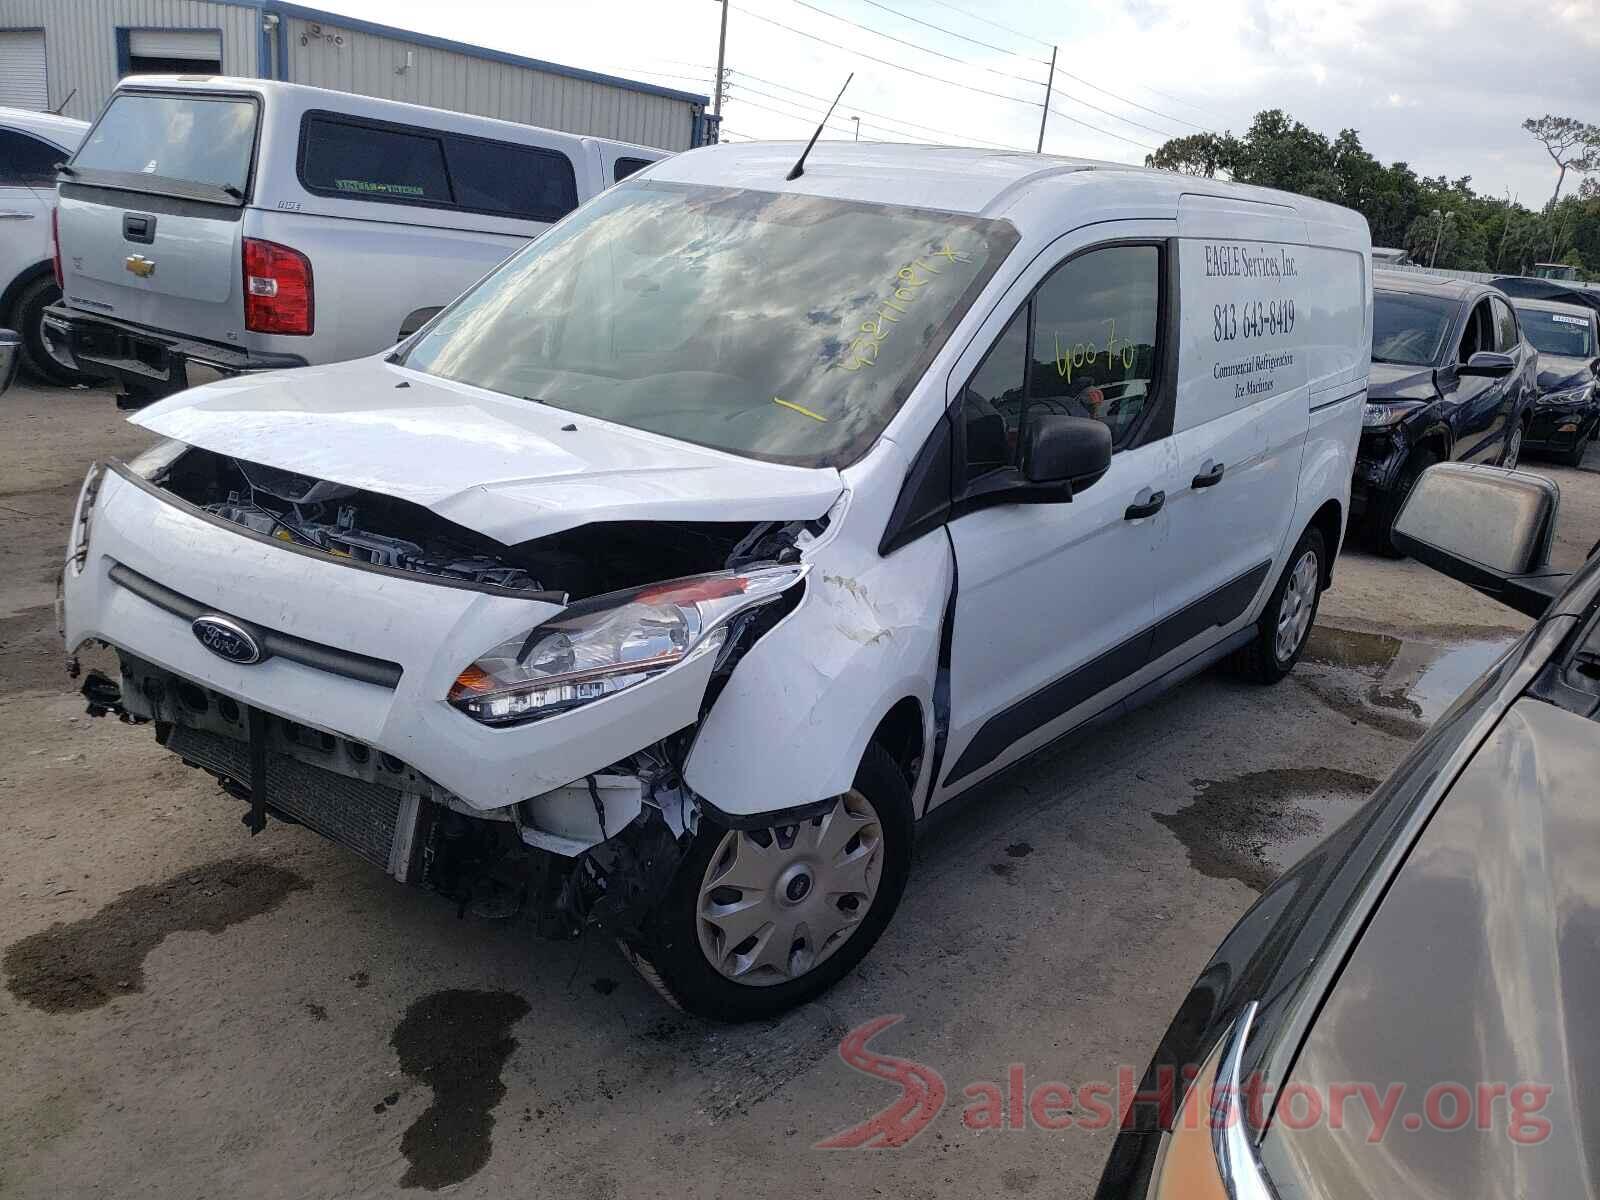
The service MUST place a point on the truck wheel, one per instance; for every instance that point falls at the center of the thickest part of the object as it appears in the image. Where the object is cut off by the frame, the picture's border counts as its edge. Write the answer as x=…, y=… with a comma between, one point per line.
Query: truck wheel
x=758, y=921
x=27, y=318
x=1291, y=611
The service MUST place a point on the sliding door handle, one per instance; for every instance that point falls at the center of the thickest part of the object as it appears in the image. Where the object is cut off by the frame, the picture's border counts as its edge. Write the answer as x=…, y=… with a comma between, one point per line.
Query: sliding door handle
x=1148, y=507
x=1209, y=477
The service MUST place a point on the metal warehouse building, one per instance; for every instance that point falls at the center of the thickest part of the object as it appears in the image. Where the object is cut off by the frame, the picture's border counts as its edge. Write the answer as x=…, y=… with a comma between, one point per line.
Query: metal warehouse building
x=69, y=54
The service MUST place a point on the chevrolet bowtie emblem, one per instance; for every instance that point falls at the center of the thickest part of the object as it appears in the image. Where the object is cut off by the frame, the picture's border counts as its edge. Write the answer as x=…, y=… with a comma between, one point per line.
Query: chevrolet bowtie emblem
x=140, y=265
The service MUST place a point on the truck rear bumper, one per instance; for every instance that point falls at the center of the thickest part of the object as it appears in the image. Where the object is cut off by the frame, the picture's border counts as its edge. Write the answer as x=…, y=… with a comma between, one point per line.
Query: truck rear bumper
x=146, y=362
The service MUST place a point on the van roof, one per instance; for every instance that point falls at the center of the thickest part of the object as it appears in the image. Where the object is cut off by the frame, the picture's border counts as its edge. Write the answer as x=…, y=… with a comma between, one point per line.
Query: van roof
x=400, y=111
x=961, y=179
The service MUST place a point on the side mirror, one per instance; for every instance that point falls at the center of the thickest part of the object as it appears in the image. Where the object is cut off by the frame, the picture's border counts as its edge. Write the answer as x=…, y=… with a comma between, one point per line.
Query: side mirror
x=1062, y=449
x=1488, y=363
x=10, y=357
x=1487, y=527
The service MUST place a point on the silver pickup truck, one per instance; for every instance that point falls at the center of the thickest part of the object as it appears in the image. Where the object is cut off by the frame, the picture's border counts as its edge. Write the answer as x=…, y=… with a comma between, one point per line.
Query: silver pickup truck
x=222, y=226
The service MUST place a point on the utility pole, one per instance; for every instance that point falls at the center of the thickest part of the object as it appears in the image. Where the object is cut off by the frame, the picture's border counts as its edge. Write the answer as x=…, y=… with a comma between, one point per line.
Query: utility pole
x=857, y=120
x=1500, y=254
x=722, y=49
x=1048, y=84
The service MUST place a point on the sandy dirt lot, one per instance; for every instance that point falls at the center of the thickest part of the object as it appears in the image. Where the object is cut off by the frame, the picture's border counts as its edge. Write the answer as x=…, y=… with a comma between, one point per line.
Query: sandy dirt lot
x=191, y=1012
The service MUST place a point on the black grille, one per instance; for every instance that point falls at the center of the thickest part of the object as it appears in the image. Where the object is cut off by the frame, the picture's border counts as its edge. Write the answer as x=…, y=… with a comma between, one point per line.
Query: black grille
x=358, y=815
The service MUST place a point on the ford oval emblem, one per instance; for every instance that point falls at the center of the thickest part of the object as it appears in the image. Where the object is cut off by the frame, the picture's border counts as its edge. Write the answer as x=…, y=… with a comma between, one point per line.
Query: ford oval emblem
x=227, y=639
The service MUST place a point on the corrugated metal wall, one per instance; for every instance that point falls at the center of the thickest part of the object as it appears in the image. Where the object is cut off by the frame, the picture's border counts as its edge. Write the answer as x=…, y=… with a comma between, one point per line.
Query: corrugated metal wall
x=81, y=51
x=81, y=43
x=371, y=64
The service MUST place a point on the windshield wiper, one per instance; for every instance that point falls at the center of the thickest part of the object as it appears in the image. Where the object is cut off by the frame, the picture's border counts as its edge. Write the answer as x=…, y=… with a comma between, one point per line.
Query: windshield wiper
x=63, y=169
x=232, y=191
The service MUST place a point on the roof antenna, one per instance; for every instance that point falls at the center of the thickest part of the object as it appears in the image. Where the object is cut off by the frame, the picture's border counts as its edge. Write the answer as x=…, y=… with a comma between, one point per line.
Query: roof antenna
x=800, y=166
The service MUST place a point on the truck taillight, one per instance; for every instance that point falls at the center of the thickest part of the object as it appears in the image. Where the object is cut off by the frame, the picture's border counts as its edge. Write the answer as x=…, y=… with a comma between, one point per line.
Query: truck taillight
x=55, y=246
x=277, y=289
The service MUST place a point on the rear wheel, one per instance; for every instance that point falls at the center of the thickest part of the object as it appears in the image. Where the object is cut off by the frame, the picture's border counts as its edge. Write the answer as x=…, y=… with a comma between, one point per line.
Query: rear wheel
x=27, y=317
x=1291, y=611
x=760, y=920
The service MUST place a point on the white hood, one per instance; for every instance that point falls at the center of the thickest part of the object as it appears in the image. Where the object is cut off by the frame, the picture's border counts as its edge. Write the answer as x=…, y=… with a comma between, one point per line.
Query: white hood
x=507, y=468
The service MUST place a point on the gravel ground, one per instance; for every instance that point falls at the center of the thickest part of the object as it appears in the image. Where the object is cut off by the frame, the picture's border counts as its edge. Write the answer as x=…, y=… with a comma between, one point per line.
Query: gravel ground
x=190, y=1012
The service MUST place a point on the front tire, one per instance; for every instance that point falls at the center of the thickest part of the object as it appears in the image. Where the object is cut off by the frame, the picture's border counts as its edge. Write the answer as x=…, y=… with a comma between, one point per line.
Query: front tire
x=1381, y=529
x=1512, y=454
x=1285, y=624
x=759, y=921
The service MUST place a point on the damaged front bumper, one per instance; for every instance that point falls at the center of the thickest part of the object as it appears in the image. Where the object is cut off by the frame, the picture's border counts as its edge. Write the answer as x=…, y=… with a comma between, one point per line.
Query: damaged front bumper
x=359, y=655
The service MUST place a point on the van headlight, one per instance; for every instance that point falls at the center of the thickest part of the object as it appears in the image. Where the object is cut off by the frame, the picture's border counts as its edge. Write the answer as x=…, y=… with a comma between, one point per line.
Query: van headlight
x=597, y=648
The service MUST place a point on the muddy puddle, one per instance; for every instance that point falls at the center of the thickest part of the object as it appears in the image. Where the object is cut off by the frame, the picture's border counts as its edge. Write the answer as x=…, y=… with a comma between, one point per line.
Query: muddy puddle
x=1398, y=685
x=1251, y=827
x=79, y=965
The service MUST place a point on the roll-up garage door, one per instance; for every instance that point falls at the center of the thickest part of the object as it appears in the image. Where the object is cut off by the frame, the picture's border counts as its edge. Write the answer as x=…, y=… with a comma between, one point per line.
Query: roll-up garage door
x=204, y=46
x=22, y=73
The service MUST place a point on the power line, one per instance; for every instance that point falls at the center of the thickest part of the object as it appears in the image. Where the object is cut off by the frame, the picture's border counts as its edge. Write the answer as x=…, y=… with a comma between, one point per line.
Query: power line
x=884, y=120
x=810, y=121
x=963, y=62
x=1056, y=112
x=1161, y=133
x=1134, y=103
x=951, y=32
x=885, y=62
x=990, y=21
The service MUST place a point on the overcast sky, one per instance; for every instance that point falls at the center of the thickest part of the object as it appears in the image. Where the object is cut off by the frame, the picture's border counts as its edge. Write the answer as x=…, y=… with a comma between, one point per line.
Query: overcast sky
x=1442, y=84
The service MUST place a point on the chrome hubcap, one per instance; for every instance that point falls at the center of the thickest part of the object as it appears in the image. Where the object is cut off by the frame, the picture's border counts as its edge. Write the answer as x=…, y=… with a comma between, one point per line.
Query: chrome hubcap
x=776, y=903
x=1299, y=599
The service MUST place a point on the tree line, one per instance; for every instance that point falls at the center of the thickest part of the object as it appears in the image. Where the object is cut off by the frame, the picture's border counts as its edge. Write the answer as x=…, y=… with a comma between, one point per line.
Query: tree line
x=1439, y=221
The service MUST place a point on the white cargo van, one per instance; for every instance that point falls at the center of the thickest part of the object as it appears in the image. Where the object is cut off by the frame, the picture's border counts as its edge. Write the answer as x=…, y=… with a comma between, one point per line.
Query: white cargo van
x=738, y=522
x=239, y=225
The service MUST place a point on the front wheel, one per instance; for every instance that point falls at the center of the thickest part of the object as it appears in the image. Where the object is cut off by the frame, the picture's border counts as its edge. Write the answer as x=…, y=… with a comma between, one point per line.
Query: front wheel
x=758, y=921
x=1285, y=624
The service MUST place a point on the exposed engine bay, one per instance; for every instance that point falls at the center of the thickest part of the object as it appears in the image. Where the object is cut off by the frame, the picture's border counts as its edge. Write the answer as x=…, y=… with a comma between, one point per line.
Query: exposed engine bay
x=371, y=528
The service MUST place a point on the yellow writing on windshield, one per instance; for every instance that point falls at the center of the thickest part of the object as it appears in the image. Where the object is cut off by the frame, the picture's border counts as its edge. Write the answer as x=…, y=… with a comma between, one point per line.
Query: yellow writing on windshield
x=903, y=295
x=800, y=408
x=1084, y=354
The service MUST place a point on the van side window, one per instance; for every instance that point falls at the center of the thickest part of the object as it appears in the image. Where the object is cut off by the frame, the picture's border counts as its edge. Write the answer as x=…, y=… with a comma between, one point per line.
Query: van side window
x=992, y=402
x=1094, y=338
x=1084, y=345
x=520, y=181
x=369, y=163
x=624, y=167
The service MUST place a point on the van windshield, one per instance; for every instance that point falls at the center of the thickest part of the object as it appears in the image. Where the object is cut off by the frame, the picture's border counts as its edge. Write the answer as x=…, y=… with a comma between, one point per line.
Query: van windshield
x=1409, y=329
x=1568, y=335
x=780, y=327
x=201, y=141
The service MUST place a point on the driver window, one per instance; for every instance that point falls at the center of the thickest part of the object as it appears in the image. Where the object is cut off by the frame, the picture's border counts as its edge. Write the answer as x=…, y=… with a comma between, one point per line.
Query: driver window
x=1505, y=326
x=1084, y=345
x=1094, y=338
x=1479, y=334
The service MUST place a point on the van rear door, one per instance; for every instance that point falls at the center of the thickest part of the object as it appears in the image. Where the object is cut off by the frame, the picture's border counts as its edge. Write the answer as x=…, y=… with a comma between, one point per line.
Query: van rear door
x=151, y=210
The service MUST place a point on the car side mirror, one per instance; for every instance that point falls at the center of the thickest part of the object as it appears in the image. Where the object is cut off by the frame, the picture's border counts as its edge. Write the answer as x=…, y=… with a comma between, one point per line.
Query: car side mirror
x=1061, y=449
x=1487, y=527
x=10, y=357
x=1490, y=364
